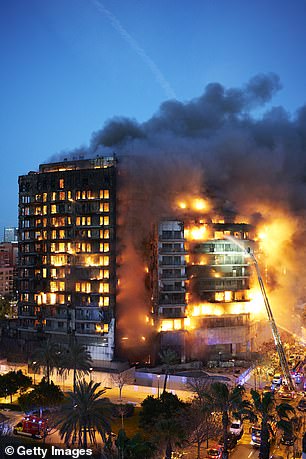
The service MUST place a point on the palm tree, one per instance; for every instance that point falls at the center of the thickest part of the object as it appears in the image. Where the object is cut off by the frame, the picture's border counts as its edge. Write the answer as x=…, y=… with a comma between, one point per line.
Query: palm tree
x=76, y=358
x=228, y=402
x=84, y=414
x=267, y=410
x=47, y=356
x=168, y=358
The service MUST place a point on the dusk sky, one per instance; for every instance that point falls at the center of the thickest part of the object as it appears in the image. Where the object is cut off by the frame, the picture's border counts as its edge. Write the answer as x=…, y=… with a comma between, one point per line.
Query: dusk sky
x=67, y=66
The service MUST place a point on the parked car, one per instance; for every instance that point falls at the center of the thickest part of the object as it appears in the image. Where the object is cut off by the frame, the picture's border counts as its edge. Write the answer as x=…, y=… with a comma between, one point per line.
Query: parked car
x=236, y=428
x=277, y=379
x=302, y=405
x=231, y=441
x=288, y=439
x=268, y=388
x=215, y=453
x=286, y=394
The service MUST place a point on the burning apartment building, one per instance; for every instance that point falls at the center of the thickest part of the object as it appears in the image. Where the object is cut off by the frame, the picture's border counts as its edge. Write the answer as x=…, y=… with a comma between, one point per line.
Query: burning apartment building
x=67, y=254
x=203, y=302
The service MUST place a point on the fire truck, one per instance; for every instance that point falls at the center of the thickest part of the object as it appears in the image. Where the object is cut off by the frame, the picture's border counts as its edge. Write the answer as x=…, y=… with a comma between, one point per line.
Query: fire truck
x=32, y=426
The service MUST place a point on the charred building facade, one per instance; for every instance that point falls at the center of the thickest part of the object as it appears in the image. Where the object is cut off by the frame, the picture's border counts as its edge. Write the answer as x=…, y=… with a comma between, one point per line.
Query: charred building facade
x=67, y=254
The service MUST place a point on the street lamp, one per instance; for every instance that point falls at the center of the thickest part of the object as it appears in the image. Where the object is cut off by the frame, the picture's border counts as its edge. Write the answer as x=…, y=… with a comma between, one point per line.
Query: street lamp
x=90, y=371
x=34, y=363
x=158, y=377
x=220, y=353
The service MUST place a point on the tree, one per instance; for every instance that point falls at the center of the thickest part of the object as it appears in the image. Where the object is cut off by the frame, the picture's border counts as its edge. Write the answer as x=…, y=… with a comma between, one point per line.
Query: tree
x=120, y=380
x=168, y=358
x=266, y=408
x=76, y=358
x=200, y=386
x=84, y=414
x=228, y=401
x=5, y=307
x=47, y=356
x=162, y=419
x=139, y=448
x=201, y=423
x=12, y=382
x=44, y=395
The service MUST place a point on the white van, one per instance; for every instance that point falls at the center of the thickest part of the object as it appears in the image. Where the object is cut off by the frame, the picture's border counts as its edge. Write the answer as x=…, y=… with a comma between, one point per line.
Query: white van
x=236, y=428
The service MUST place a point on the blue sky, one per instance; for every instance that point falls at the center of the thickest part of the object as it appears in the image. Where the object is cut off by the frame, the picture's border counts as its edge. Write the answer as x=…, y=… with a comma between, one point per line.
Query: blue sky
x=67, y=66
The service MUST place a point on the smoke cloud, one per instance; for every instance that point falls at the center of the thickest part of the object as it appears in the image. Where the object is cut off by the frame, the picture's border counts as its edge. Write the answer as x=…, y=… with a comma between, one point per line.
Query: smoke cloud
x=217, y=146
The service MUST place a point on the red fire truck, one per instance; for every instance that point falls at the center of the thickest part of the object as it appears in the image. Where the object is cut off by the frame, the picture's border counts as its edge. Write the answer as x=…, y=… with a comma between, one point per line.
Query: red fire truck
x=32, y=426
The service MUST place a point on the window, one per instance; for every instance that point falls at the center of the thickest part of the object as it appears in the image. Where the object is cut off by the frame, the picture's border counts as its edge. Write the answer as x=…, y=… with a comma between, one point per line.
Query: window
x=53, y=209
x=61, y=183
x=104, y=247
x=104, y=274
x=104, y=234
x=83, y=287
x=104, y=261
x=103, y=287
x=104, y=194
x=104, y=221
x=104, y=207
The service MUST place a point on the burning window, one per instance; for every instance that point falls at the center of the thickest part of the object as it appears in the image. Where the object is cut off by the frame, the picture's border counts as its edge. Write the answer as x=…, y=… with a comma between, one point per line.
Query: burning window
x=104, y=221
x=104, y=261
x=104, y=194
x=104, y=207
x=104, y=301
x=104, y=247
x=83, y=247
x=83, y=287
x=103, y=287
x=58, y=260
x=104, y=234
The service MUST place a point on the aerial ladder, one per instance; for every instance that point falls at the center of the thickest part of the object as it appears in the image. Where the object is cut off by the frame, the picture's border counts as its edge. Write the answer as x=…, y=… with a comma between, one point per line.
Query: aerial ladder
x=277, y=339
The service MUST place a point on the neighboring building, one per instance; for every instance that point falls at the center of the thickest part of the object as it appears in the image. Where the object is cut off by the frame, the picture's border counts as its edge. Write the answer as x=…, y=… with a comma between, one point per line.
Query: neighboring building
x=169, y=297
x=10, y=234
x=67, y=254
x=8, y=264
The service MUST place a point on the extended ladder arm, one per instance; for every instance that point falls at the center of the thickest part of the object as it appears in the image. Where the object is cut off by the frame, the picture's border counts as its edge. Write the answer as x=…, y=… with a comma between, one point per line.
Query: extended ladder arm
x=276, y=335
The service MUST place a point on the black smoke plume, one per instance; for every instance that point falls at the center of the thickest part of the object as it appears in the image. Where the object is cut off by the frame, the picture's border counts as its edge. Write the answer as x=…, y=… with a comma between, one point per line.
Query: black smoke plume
x=221, y=145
